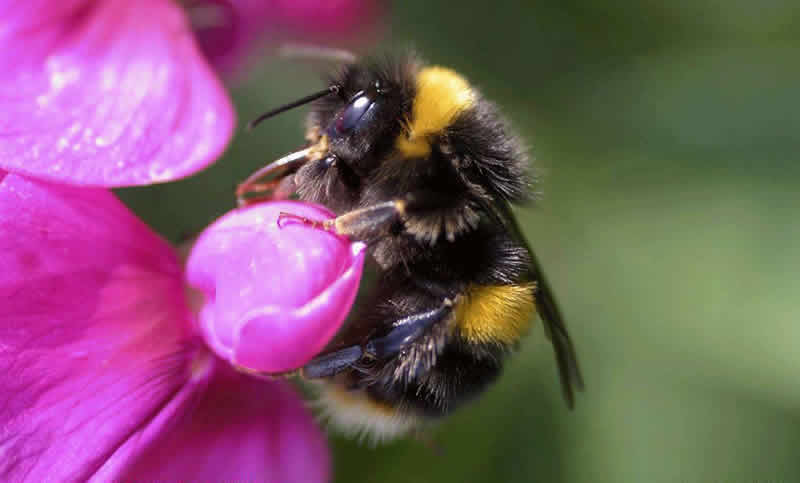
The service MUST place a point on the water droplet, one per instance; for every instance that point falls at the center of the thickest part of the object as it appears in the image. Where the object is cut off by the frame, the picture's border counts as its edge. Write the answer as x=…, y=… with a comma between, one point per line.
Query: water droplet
x=357, y=247
x=107, y=78
x=201, y=149
x=62, y=78
x=159, y=173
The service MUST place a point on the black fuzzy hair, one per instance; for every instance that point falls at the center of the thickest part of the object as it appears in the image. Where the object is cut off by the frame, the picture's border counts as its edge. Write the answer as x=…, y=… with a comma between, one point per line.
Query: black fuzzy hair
x=396, y=74
x=489, y=154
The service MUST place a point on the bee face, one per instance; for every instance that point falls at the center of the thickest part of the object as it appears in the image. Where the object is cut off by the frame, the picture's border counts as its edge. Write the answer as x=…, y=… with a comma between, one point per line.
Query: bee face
x=360, y=122
x=353, y=131
x=357, y=118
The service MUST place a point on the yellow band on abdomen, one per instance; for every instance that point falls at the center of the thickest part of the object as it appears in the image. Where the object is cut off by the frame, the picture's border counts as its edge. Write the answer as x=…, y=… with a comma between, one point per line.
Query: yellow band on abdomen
x=495, y=313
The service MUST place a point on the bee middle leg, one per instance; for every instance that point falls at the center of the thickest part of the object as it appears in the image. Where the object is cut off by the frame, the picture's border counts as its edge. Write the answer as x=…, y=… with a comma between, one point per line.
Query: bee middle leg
x=375, y=221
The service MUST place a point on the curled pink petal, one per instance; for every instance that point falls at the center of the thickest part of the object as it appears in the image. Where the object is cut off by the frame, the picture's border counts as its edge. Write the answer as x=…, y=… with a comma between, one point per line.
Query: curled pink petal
x=334, y=17
x=274, y=297
x=229, y=31
x=93, y=343
x=106, y=93
x=243, y=429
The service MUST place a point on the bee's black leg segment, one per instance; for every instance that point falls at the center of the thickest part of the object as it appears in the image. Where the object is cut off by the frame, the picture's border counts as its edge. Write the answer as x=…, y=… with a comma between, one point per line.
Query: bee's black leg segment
x=333, y=363
x=370, y=223
x=365, y=224
x=405, y=331
x=373, y=222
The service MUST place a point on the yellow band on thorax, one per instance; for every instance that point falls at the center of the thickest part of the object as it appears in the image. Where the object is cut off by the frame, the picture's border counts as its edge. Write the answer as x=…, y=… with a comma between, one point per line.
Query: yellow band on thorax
x=442, y=94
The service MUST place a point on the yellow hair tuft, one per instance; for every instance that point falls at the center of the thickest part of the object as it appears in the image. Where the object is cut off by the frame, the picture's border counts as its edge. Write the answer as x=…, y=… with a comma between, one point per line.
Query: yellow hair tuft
x=442, y=94
x=496, y=313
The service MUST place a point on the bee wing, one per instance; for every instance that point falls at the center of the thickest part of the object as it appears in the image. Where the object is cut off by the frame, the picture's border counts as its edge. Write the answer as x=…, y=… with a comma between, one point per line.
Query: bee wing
x=547, y=307
x=556, y=329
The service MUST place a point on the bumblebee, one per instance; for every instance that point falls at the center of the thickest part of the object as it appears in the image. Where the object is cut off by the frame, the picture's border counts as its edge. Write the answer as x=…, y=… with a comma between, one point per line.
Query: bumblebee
x=417, y=164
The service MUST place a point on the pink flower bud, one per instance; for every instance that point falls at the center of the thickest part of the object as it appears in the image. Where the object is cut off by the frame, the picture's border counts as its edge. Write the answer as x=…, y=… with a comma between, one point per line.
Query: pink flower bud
x=274, y=296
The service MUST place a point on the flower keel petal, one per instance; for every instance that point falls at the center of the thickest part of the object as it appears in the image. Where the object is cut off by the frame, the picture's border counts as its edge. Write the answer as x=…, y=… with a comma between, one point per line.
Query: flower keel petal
x=274, y=297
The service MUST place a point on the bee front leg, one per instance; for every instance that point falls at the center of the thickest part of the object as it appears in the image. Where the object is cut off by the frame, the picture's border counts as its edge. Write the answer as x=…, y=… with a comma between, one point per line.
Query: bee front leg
x=273, y=181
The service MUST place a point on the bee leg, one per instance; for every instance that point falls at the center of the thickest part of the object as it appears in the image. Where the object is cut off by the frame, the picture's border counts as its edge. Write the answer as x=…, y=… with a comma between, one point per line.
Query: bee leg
x=365, y=224
x=376, y=221
x=279, y=171
x=405, y=331
x=333, y=363
x=276, y=189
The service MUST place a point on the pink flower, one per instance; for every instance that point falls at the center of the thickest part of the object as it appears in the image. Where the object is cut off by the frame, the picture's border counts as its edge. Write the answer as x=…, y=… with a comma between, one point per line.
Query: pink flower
x=284, y=288
x=230, y=31
x=117, y=93
x=103, y=370
x=106, y=371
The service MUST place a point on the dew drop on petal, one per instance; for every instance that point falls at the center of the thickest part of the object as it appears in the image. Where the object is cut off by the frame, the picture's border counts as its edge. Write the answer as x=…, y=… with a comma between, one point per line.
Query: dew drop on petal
x=108, y=78
x=61, y=79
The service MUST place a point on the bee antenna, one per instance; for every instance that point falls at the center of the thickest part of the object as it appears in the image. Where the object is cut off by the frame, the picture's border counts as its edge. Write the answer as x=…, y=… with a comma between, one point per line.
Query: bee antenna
x=332, y=89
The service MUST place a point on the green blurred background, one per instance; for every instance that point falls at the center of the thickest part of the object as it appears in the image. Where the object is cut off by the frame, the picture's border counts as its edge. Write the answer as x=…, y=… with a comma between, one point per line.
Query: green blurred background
x=667, y=135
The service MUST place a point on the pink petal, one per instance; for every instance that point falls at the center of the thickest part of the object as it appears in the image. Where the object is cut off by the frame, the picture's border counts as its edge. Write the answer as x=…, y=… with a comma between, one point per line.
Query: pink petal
x=92, y=344
x=332, y=17
x=230, y=30
x=243, y=429
x=274, y=296
x=106, y=93
x=227, y=29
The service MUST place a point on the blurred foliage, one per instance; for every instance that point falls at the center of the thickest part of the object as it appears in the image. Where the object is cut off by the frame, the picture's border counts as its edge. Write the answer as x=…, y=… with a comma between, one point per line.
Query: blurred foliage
x=667, y=136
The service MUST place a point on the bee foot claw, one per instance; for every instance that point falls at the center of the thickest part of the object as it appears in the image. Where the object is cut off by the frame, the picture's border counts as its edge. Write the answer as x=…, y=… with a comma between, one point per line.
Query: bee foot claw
x=283, y=217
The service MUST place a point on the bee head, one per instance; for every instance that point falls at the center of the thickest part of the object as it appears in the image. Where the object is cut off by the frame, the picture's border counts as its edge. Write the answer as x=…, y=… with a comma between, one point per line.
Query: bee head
x=396, y=118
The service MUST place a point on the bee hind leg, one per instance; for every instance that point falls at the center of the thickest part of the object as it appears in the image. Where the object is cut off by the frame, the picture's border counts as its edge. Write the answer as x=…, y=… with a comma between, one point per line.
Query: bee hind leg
x=405, y=331
x=330, y=364
x=403, y=334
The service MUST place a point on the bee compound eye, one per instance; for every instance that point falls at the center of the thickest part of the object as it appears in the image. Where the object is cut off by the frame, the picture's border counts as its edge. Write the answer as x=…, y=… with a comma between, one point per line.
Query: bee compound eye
x=353, y=116
x=330, y=160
